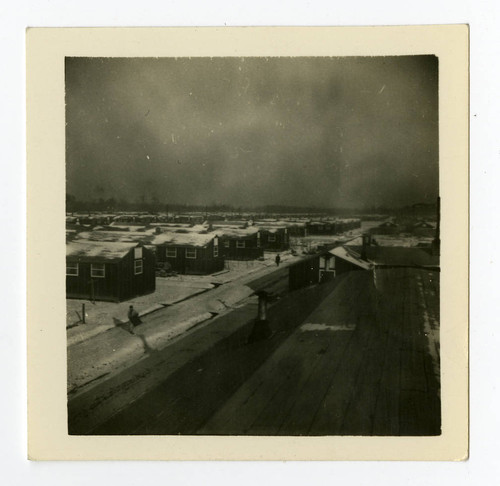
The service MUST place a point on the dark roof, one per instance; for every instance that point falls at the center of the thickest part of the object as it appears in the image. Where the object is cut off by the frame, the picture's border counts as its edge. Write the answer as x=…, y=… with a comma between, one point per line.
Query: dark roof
x=424, y=224
x=360, y=355
x=400, y=256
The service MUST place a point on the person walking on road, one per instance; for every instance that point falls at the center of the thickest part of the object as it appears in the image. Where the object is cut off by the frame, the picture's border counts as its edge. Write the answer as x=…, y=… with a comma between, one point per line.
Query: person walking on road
x=134, y=319
x=277, y=260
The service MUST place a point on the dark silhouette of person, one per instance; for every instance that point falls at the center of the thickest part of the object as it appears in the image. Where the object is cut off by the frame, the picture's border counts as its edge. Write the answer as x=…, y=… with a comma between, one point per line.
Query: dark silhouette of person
x=277, y=260
x=134, y=319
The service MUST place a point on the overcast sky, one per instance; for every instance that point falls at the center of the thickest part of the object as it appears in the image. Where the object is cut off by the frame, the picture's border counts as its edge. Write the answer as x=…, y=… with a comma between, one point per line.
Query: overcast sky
x=325, y=132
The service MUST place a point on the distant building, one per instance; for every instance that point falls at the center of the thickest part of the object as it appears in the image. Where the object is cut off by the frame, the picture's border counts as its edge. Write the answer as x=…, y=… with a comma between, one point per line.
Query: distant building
x=116, y=235
x=386, y=228
x=241, y=243
x=391, y=256
x=189, y=252
x=110, y=271
x=345, y=259
x=321, y=228
x=274, y=238
x=323, y=266
x=305, y=272
x=189, y=218
x=423, y=228
x=398, y=256
x=297, y=228
x=332, y=227
x=343, y=225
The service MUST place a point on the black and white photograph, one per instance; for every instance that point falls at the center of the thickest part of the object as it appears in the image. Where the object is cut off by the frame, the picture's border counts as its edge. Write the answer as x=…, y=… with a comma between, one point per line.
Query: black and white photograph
x=253, y=246
x=253, y=241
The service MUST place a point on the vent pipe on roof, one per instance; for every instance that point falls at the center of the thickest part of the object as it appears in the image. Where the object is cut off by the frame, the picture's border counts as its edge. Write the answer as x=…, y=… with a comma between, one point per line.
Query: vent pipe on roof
x=261, y=329
x=366, y=242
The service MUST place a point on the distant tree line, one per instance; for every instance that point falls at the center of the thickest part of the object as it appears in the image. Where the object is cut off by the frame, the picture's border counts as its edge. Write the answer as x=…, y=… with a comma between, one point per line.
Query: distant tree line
x=155, y=206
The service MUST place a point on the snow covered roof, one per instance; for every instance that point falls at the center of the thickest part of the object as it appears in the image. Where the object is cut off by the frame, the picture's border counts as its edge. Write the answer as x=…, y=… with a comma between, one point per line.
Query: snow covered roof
x=271, y=228
x=130, y=226
x=97, y=250
x=235, y=223
x=115, y=236
x=350, y=256
x=298, y=224
x=229, y=232
x=172, y=225
x=197, y=228
x=183, y=239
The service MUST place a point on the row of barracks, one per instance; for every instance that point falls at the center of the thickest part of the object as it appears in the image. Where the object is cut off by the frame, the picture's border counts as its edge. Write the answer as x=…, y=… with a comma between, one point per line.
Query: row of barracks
x=119, y=265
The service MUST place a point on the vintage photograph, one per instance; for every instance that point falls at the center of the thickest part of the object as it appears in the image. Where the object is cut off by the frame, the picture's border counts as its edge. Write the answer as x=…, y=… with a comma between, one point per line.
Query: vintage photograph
x=253, y=245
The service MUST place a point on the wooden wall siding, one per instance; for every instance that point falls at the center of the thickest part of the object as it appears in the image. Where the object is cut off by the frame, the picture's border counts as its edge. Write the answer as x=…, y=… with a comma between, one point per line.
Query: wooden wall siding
x=280, y=243
x=250, y=252
x=119, y=283
x=332, y=228
x=324, y=229
x=84, y=286
x=204, y=263
x=304, y=273
x=132, y=285
x=297, y=231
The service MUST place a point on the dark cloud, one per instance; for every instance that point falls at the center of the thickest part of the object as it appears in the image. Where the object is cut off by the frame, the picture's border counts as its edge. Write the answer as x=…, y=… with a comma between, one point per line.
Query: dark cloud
x=253, y=131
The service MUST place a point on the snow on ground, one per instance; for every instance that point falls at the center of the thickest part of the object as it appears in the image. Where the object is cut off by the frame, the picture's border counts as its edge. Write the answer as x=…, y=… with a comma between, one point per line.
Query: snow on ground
x=401, y=240
x=311, y=242
x=116, y=348
x=101, y=316
x=92, y=356
x=236, y=269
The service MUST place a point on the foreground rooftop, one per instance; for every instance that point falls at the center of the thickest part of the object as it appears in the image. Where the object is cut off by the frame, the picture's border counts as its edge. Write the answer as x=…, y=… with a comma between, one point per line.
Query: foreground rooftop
x=363, y=360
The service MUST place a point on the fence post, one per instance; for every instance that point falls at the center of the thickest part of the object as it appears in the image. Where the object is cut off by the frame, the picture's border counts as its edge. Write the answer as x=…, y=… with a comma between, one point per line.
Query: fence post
x=83, y=313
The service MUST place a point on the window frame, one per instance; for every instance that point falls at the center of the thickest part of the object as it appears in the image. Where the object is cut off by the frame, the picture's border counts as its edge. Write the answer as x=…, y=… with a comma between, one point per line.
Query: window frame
x=216, y=247
x=92, y=270
x=240, y=244
x=271, y=238
x=190, y=257
x=167, y=249
x=138, y=260
x=75, y=266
